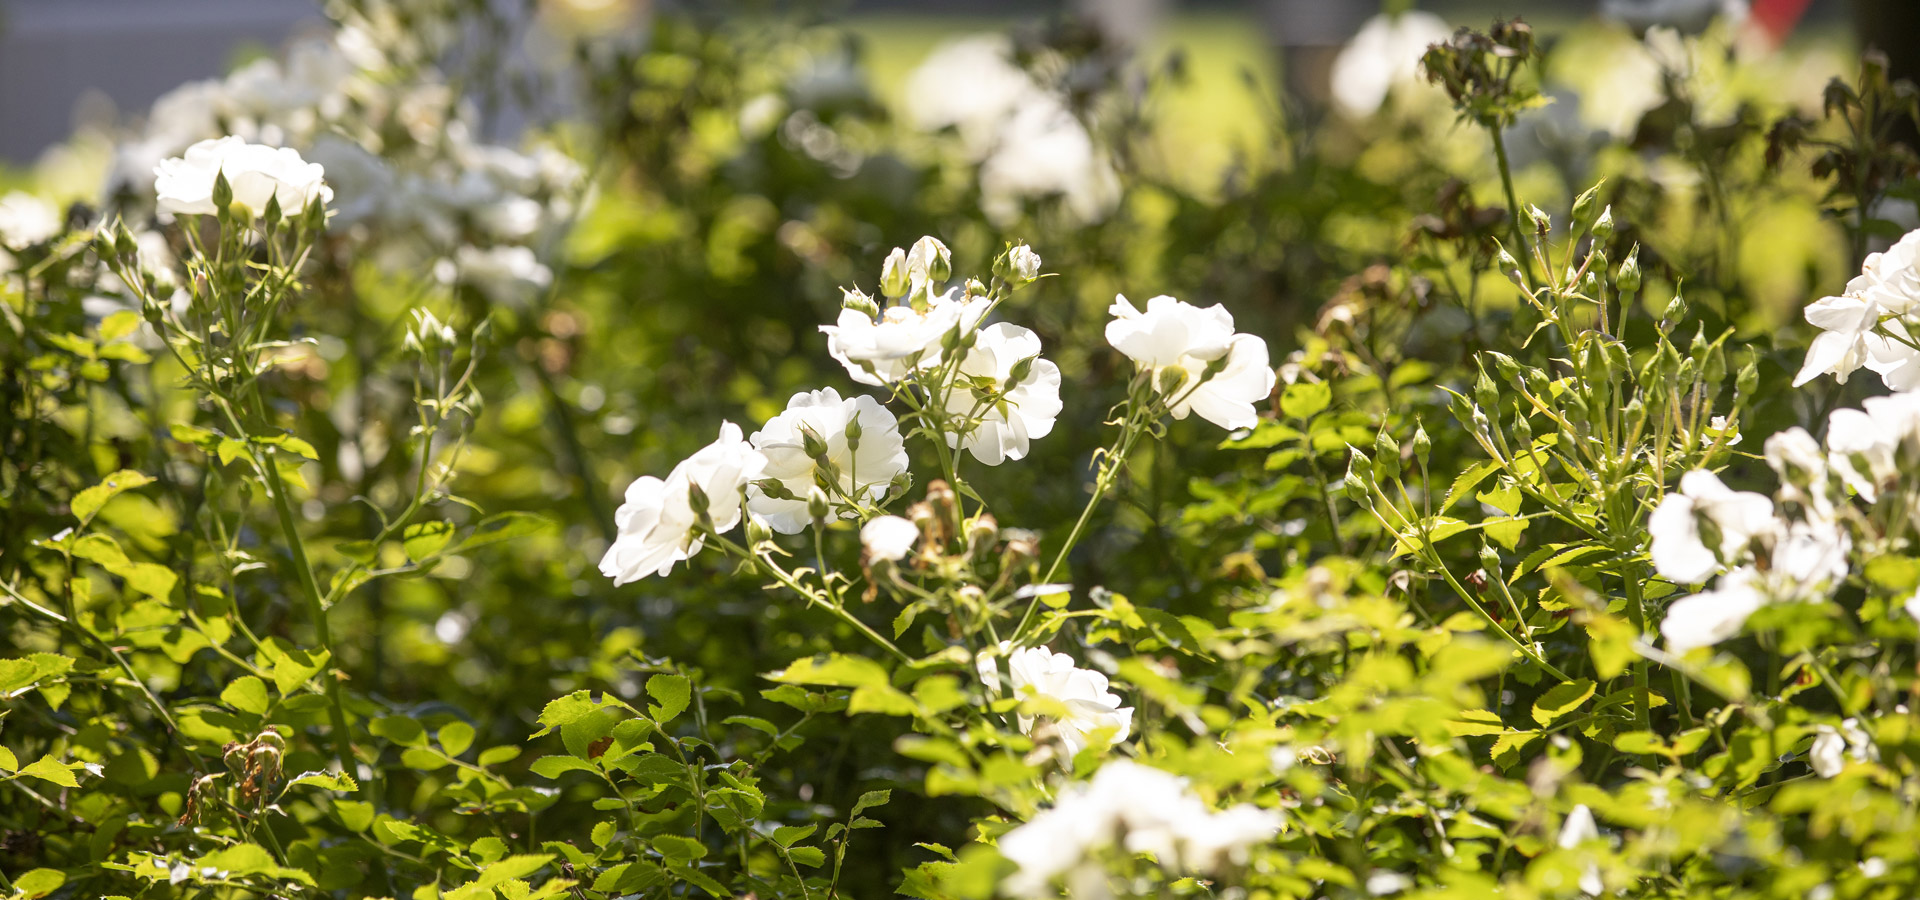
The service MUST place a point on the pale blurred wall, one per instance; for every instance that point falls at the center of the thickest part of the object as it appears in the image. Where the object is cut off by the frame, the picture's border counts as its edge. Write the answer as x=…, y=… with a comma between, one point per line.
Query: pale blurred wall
x=54, y=52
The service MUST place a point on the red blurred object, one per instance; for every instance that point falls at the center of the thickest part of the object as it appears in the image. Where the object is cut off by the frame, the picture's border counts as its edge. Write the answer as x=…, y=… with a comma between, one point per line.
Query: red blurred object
x=1776, y=18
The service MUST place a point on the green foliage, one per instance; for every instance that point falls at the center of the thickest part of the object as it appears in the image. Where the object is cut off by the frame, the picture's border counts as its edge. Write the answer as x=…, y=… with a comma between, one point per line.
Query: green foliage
x=298, y=584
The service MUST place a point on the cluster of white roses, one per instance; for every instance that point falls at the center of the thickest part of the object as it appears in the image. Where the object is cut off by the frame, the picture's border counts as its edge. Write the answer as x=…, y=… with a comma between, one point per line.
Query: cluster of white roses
x=1871, y=324
x=1026, y=141
x=1799, y=550
x=982, y=388
x=1138, y=809
x=985, y=385
x=415, y=187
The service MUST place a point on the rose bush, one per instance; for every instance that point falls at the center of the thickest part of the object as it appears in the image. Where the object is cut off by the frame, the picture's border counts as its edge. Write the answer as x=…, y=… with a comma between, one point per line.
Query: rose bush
x=391, y=513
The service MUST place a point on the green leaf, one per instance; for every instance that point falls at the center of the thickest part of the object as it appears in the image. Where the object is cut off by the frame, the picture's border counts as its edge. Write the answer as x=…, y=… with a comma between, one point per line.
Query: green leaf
x=87, y=503
x=247, y=694
x=574, y=707
x=787, y=835
x=677, y=848
x=519, y=865
x=250, y=859
x=870, y=800
x=456, y=737
x=39, y=882
x=16, y=675
x=1475, y=721
x=505, y=527
x=804, y=700
x=674, y=693
x=291, y=666
x=1465, y=483
x=493, y=756
x=834, y=669
x=754, y=722
x=357, y=815
x=424, y=539
x=422, y=759
x=811, y=857
x=882, y=699
x=8, y=762
x=46, y=768
x=555, y=766
x=1562, y=699
x=331, y=781
x=1305, y=399
x=1641, y=742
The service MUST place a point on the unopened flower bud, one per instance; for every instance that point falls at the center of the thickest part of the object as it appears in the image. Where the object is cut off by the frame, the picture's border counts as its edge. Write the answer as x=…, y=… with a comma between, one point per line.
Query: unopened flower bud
x=853, y=433
x=1522, y=429
x=1505, y=366
x=1539, y=384
x=1628, y=278
x=855, y=299
x=757, y=531
x=697, y=498
x=975, y=288
x=222, y=191
x=894, y=281
x=1018, y=266
x=1422, y=444
x=1603, y=227
x=1170, y=380
x=1748, y=378
x=811, y=441
x=124, y=243
x=931, y=260
x=1713, y=368
x=1676, y=310
x=818, y=506
x=1359, y=463
x=1574, y=403
x=1542, y=223
x=1490, y=560
x=1355, y=489
x=1386, y=453
x=1617, y=358
x=1585, y=204
x=314, y=218
x=1510, y=267
x=1485, y=392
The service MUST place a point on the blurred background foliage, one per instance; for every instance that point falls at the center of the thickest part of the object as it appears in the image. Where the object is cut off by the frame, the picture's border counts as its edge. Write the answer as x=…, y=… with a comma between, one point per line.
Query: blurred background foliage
x=744, y=163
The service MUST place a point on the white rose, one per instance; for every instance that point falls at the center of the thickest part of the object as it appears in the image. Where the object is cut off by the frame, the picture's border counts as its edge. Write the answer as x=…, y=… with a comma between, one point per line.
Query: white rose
x=1678, y=550
x=1178, y=343
x=1089, y=706
x=657, y=521
x=1009, y=418
x=864, y=474
x=903, y=340
x=256, y=173
x=1709, y=617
